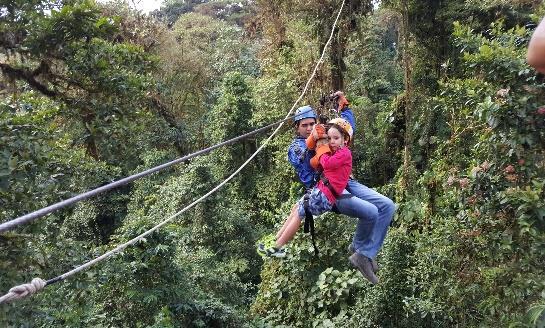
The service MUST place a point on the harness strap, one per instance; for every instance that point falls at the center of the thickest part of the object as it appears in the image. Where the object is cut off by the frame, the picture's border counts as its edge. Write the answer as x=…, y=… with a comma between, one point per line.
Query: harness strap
x=309, y=221
x=343, y=196
x=329, y=186
x=309, y=218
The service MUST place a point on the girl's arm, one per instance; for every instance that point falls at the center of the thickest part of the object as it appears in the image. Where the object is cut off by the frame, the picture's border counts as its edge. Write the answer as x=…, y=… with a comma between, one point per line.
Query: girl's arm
x=341, y=157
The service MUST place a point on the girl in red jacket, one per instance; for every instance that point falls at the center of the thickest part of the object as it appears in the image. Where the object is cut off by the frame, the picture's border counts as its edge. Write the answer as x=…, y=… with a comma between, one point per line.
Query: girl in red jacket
x=334, y=159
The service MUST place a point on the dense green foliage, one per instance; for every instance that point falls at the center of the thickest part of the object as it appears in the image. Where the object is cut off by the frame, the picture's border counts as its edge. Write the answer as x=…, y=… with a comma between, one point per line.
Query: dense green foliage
x=450, y=125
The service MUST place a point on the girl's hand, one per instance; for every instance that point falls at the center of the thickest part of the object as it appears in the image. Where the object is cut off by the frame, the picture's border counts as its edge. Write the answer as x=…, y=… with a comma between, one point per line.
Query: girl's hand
x=318, y=132
x=322, y=141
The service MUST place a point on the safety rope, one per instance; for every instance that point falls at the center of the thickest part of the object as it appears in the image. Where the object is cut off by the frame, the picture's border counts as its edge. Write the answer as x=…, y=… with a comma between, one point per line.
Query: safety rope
x=8, y=225
x=37, y=284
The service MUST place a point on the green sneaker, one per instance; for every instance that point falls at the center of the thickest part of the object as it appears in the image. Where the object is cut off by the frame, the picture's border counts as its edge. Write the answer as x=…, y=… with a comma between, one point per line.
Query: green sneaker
x=270, y=251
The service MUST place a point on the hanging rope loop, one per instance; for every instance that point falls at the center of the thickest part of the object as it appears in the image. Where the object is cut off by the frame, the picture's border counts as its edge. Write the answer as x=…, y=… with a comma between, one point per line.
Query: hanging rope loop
x=23, y=290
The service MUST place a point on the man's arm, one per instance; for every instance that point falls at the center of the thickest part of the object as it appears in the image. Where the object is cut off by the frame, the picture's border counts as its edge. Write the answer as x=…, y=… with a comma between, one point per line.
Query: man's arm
x=298, y=157
x=536, y=48
x=348, y=115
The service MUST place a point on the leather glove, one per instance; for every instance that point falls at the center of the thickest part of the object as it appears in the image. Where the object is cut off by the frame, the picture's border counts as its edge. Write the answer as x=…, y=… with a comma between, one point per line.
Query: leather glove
x=341, y=100
x=320, y=150
x=317, y=133
x=311, y=142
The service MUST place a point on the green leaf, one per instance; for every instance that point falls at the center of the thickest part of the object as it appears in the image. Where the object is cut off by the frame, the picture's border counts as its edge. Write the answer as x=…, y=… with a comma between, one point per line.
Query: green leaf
x=536, y=314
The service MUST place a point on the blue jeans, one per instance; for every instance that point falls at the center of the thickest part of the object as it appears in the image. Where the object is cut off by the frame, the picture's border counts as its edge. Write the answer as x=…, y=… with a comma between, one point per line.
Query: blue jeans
x=374, y=212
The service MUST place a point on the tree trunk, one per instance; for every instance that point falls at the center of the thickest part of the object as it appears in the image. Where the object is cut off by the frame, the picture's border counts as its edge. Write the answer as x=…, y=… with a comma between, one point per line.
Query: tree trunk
x=91, y=146
x=169, y=119
x=337, y=62
x=91, y=149
x=408, y=90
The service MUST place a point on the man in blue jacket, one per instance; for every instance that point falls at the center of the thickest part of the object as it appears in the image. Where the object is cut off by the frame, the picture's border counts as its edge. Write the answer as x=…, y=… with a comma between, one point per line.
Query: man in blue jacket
x=298, y=154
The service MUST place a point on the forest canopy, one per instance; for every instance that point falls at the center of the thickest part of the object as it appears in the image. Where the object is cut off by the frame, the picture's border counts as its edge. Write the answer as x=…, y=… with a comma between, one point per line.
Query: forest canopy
x=450, y=123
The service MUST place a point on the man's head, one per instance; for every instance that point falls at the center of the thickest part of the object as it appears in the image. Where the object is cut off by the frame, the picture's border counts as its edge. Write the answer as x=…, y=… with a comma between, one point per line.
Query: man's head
x=305, y=118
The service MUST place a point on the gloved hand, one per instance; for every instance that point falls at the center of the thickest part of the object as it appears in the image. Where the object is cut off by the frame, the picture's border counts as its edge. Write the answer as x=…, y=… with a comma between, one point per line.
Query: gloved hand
x=311, y=143
x=320, y=150
x=341, y=100
x=321, y=142
x=318, y=132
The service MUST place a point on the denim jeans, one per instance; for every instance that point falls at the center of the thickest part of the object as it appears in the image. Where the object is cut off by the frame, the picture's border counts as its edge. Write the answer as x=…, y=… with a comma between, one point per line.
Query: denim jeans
x=374, y=212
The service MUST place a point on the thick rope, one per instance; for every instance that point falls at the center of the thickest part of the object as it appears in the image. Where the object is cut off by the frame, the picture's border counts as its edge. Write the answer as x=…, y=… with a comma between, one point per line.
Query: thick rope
x=139, y=237
x=22, y=291
x=46, y=210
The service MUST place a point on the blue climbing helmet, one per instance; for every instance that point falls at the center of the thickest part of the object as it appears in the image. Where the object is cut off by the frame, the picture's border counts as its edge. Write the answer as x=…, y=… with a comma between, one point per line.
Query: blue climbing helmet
x=304, y=112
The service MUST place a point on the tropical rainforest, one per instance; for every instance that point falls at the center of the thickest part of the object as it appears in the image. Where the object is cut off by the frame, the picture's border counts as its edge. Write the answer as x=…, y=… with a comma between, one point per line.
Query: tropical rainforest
x=450, y=125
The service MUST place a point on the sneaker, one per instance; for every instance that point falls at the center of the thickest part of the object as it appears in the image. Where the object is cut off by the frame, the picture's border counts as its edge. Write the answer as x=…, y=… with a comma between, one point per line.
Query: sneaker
x=374, y=262
x=363, y=264
x=271, y=251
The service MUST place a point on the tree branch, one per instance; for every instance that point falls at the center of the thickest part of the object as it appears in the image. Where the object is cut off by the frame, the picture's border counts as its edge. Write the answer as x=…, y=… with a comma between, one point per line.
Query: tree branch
x=29, y=77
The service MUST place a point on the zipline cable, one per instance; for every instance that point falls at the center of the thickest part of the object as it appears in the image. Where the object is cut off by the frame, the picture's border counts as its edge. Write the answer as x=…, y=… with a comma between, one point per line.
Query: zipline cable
x=8, y=225
x=37, y=284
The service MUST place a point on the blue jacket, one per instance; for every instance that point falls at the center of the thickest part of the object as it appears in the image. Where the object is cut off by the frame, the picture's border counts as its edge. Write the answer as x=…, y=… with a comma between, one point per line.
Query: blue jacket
x=299, y=157
x=348, y=115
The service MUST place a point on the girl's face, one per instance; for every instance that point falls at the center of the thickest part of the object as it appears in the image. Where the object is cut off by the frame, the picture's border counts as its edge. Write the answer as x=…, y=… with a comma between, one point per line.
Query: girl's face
x=336, y=139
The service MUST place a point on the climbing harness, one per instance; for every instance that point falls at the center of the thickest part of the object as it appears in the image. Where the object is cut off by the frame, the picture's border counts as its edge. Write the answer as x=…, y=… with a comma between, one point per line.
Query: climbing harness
x=24, y=290
x=309, y=218
x=328, y=185
x=335, y=194
x=309, y=221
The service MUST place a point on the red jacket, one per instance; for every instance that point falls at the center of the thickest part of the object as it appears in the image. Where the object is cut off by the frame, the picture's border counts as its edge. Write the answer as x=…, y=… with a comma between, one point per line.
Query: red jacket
x=337, y=169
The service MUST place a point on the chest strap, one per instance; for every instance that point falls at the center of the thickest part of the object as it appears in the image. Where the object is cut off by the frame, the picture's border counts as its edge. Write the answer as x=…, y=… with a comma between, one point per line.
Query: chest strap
x=330, y=187
x=309, y=221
